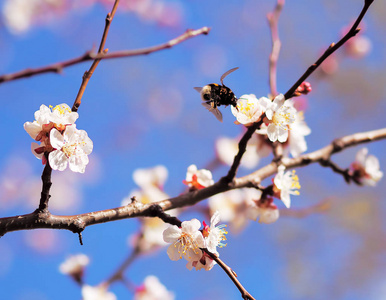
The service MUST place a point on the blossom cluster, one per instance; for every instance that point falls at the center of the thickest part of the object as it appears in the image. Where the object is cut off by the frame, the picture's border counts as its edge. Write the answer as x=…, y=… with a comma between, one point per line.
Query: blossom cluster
x=188, y=242
x=60, y=141
x=281, y=117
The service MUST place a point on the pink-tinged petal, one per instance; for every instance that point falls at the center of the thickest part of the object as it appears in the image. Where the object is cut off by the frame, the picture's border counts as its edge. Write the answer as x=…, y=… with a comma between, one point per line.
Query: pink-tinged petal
x=57, y=160
x=272, y=133
x=38, y=154
x=193, y=254
x=171, y=234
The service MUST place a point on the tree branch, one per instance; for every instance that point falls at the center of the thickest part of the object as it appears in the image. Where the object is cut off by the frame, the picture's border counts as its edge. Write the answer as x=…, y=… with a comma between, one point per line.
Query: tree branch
x=77, y=223
x=58, y=67
x=87, y=75
x=273, y=19
x=333, y=47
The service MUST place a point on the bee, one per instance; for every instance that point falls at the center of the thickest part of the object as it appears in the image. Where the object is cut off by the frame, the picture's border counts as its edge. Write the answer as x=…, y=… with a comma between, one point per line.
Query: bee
x=215, y=95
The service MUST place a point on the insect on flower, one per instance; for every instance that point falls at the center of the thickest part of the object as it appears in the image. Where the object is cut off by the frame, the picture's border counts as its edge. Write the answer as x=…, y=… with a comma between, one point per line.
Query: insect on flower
x=215, y=95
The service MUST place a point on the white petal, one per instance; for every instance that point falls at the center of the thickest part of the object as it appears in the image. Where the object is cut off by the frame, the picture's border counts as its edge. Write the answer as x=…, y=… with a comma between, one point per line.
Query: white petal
x=191, y=226
x=173, y=252
x=56, y=139
x=171, y=234
x=57, y=160
x=272, y=132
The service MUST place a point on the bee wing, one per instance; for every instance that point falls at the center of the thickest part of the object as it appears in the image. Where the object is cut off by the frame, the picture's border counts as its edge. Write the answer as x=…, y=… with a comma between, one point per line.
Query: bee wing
x=213, y=110
x=198, y=89
x=226, y=74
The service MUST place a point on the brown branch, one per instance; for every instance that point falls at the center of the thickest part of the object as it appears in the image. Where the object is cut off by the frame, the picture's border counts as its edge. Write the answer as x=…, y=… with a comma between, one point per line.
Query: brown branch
x=45, y=194
x=273, y=19
x=333, y=47
x=58, y=67
x=232, y=275
x=87, y=75
x=77, y=223
x=242, y=148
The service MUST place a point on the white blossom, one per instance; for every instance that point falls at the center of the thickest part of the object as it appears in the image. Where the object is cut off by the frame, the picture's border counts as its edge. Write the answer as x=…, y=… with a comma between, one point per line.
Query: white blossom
x=153, y=289
x=72, y=147
x=151, y=177
x=97, y=293
x=265, y=211
x=185, y=241
x=286, y=184
x=280, y=115
x=233, y=206
x=45, y=119
x=299, y=129
x=248, y=109
x=214, y=236
x=205, y=262
x=198, y=179
x=366, y=168
x=74, y=264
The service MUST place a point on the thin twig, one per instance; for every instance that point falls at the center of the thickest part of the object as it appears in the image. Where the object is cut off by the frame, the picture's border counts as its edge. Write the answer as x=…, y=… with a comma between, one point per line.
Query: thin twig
x=333, y=47
x=242, y=148
x=232, y=275
x=77, y=223
x=58, y=67
x=87, y=75
x=273, y=19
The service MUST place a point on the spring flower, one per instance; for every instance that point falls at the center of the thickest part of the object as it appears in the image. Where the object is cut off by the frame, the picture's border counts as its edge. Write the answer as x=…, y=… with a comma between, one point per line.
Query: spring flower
x=71, y=147
x=248, y=110
x=214, y=236
x=198, y=179
x=97, y=293
x=233, y=206
x=286, y=184
x=280, y=115
x=266, y=211
x=365, y=168
x=46, y=119
x=185, y=241
x=151, y=177
x=296, y=140
x=74, y=266
x=153, y=289
x=205, y=262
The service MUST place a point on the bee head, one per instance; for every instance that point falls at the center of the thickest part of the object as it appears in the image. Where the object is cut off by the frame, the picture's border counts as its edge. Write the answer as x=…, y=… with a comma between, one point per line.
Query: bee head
x=206, y=93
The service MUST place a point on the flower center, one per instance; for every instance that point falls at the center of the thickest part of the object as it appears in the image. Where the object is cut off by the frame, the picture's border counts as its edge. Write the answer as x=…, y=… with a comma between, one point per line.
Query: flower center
x=247, y=108
x=60, y=109
x=185, y=244
x=72, y=149
x=283, y=118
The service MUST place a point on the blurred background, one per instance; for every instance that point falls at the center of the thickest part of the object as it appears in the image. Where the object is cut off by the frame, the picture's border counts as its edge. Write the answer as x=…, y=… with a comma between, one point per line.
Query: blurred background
x=142, y=112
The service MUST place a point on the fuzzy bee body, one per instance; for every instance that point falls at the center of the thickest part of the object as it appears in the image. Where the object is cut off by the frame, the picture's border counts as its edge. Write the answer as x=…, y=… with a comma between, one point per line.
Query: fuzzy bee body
x=215, y=95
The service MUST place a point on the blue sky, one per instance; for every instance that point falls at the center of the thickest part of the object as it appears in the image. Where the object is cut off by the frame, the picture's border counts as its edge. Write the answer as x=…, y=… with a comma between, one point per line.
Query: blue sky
x=143, y=111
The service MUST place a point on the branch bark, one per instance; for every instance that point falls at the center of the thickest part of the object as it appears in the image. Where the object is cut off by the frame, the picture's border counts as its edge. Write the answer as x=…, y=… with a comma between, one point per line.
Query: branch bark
x=77, y=223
